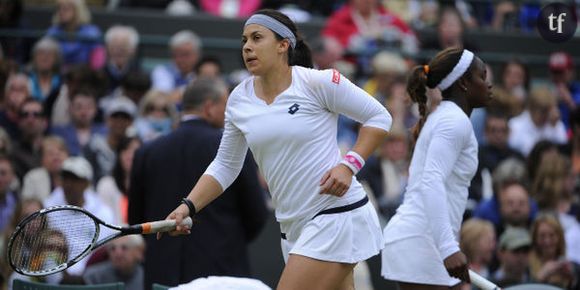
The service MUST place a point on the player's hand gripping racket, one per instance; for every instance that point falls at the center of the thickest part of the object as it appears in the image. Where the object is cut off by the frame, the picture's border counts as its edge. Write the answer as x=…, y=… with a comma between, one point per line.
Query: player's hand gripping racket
x=53, y=239
x=481, y=282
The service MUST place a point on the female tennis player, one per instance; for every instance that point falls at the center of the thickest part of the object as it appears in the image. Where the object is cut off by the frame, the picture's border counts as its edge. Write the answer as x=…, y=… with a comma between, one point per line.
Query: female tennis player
x=287, y=114
x=422, y=250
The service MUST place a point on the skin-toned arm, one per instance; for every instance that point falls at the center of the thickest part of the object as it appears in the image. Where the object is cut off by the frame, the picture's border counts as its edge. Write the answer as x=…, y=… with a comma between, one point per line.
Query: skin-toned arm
x=337, y=180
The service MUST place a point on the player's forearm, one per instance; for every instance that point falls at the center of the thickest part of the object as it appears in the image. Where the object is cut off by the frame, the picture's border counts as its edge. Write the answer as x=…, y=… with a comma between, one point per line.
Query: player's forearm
x=369, y=138
x=205, y=191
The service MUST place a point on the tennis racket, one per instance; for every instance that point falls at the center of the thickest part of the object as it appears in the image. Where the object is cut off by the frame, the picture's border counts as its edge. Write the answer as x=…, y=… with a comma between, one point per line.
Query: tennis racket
x=481, y=282
x=55, y=238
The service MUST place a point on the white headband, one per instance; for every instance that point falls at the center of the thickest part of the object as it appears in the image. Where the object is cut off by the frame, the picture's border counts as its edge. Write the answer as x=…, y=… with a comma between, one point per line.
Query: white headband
x=459, y=69
x=273, y=25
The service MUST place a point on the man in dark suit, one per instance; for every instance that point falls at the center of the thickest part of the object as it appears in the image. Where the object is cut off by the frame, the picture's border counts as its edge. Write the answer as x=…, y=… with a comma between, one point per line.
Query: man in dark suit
x=168, y=168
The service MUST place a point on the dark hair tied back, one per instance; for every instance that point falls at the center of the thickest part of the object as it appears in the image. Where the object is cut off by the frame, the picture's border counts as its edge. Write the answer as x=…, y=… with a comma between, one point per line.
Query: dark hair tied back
x=301, y=54
x=429, y=76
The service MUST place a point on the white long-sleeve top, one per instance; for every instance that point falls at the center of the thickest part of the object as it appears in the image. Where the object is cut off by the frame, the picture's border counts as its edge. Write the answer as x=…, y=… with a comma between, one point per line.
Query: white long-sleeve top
x=293, y=139
x=443, y=164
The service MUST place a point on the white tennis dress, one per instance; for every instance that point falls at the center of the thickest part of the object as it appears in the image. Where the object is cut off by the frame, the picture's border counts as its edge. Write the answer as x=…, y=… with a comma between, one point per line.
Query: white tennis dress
x=425, y=229
x=294, y=143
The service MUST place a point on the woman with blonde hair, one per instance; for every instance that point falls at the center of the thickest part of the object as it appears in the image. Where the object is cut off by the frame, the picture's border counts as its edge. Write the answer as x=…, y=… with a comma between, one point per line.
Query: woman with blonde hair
x=548, y=262
x=157, y=116
x=553, y=187
x=80, y=40
x=477, y=241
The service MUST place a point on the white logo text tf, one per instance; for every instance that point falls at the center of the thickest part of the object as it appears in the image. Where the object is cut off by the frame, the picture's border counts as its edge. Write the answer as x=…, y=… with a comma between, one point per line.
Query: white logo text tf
x=559, y=19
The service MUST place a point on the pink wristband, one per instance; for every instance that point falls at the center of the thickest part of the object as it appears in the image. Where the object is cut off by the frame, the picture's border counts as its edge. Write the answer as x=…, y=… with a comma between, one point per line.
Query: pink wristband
x=353, y=161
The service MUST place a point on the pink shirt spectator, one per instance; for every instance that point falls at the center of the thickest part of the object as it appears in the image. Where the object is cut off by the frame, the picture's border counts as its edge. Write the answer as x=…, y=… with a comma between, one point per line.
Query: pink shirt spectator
x=230, y=8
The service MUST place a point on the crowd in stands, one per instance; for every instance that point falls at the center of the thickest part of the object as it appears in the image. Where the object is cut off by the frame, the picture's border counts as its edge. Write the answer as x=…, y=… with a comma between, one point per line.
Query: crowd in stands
x=77, y=103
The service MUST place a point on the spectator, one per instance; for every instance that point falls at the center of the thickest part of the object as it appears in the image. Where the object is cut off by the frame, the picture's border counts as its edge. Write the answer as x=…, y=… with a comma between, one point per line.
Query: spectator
x=513, y=250
x=505, y=16
x=387, y=175
x=40, y=182
x=541, y=152
x=172, y=78
x=553, y=182
x=539, y=121
x=553, y=188
x=169, y=166
x=124, y=264
x=387, y=67
x=563, y=74
x=511, y=94
x=450, y=32
x=510, y=206
x=45, y=71
x=8, y=197
x=362, y=22
x=477, y=241
x=121, y=43
x=135, y=85
x=80, y=40
x=114, y=189
x=75, y=190
x=572, y=149
x=326, y=51
x=156, y=117
x=100, y=150
x=17, y=90
x=230, y=9
x=32, y=124
x=5, y=142
x=209, y=67
x=83, y=110
x=77, y=77
x=494, y=151
x=548, y=262
x=23, y=209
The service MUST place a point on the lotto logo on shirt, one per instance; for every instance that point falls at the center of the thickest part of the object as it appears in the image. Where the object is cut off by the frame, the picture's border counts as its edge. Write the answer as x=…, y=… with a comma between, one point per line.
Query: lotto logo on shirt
x=335, y=76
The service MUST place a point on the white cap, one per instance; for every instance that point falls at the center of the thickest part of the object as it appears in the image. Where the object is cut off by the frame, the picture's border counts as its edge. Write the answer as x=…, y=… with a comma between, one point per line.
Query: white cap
x=121, y=105
x=78, y=166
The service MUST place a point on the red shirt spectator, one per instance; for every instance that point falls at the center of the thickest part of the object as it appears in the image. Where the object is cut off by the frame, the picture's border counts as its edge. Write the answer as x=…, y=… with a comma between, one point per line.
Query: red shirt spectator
x=359, y=21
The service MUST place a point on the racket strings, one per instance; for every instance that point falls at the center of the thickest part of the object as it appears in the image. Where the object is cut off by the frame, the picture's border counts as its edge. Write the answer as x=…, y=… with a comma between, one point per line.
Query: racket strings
x=52, y=239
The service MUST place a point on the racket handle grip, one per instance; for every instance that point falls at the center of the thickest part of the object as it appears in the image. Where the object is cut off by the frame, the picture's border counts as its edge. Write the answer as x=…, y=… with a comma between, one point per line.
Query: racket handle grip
x=164, y=226
x=481, y=282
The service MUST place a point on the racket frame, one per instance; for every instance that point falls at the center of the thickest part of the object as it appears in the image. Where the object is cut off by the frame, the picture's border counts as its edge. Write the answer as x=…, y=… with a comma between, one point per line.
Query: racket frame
x=95, y=243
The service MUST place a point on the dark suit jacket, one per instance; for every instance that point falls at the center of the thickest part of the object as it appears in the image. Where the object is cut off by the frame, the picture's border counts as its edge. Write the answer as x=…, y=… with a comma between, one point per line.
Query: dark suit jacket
x=164, y=171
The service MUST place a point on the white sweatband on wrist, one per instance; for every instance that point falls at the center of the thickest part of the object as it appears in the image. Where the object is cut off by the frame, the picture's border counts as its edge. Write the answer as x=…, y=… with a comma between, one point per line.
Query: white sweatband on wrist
x=459, y=69
x=353, y=161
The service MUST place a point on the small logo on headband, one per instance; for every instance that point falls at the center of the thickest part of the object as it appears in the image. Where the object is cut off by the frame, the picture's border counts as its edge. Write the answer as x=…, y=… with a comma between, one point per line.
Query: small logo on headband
x=335, y=76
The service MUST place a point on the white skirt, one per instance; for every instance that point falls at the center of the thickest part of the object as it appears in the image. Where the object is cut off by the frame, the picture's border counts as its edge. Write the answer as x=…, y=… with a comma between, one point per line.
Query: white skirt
x=415, y=260
x=346, y=237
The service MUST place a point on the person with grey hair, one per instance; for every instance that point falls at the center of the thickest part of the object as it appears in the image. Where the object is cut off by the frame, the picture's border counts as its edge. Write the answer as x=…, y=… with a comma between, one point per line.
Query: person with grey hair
x=44, y=70
x=185, y=47
x=125, y=255
x=168, y=167
x=121, y=43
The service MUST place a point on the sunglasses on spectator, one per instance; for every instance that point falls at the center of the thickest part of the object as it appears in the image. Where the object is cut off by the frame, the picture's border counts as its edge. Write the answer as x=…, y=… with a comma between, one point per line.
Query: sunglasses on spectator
x=157, y=109
x=25, y=114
